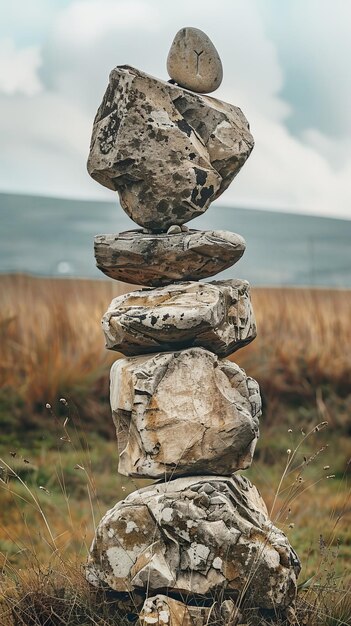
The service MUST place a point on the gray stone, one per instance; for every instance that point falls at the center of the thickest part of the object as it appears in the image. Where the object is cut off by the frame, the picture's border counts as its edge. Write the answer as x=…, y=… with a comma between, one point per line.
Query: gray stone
x=162, y=610
x=175, y=228
x=150, y=259
x=168, y=152
x=193, y=61
x=183, y=412
x=168, y=536
x=230, y=614
x=217, y=316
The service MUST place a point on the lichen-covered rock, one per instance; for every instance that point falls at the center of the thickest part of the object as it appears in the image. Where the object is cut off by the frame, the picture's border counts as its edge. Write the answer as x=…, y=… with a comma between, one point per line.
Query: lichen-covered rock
x=168, y=152
x=183, y=412
x=217, y=316
x=195, y=536
x=193, y=61
x=162, y=610
x=159, y=259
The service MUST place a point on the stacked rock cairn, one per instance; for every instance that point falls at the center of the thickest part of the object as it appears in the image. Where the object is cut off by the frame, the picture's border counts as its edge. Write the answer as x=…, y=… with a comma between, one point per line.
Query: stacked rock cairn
x=184, y=413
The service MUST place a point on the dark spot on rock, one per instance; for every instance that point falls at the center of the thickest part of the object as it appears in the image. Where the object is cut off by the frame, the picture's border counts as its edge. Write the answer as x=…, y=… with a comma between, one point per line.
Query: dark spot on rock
x=135, y=143
x=161, y=136
x=162, y=206
x=201, y=176
x=165, y=317
x=174, y=157
x=194, y=195
x=125, y=163
x=139, y=95
x=179, y=211
x=205, y=194
x=108, y=134
x=107, y=106
x=192, y=156
x=184, y=127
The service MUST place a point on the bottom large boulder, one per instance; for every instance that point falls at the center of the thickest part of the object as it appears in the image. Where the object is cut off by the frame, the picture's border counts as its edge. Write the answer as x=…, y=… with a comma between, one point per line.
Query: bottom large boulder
x=195, y=536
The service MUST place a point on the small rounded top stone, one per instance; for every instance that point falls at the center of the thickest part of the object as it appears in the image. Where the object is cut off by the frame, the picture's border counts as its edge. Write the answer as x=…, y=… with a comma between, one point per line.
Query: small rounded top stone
x=193, y=62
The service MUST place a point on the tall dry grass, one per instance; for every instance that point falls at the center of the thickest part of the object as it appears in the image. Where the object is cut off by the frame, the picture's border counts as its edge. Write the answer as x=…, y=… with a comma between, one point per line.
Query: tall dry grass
x=52, y=344
x=50, y=334
x=302, y=339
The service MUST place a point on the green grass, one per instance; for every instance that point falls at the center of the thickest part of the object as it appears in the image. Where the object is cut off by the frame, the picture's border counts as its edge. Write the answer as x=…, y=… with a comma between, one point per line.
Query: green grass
x=54, y=495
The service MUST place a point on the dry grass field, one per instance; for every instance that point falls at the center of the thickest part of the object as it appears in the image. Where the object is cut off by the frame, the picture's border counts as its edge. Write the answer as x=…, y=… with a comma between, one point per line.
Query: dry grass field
x=58, y=467
x=51, y=341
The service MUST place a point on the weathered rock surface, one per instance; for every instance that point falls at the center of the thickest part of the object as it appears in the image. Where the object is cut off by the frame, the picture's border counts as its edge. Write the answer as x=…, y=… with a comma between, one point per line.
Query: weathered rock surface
x=162, y=610
x=217, y=316
x=159, y=259
x=195, y=536
x=183, y=412
x=167, y=152
x=193, y=61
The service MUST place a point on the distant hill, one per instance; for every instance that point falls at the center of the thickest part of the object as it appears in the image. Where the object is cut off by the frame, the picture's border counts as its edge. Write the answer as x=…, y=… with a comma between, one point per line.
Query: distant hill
x=54, y=237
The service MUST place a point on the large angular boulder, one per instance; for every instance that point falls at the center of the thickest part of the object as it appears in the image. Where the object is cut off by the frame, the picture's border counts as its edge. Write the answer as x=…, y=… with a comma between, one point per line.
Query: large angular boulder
x=168, y=152
x=217, y=316
x=195, y=536
x=159, y=259
x=183, y=412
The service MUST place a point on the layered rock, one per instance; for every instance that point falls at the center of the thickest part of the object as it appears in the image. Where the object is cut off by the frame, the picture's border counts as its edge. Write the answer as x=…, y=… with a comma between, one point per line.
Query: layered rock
x=195, y=536
x=183, y=412
x=159, y=259
x=217, y=316
x=168, y=152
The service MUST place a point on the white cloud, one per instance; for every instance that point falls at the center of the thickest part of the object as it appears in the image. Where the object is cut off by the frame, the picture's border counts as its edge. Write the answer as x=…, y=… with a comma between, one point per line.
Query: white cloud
x=86, y=21
x=19, y=69
x=284, y=173
x=44, y=146
x=336, y=150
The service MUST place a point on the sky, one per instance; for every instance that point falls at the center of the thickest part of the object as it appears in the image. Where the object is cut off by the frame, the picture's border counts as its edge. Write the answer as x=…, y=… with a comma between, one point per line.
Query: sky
x=286, y=65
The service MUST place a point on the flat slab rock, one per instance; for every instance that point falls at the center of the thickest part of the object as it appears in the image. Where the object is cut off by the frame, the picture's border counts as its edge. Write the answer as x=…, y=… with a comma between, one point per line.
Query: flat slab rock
x=159, y=259
x=217, y=316
x=167, y=151
x=195, y=536
x=183, y=412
